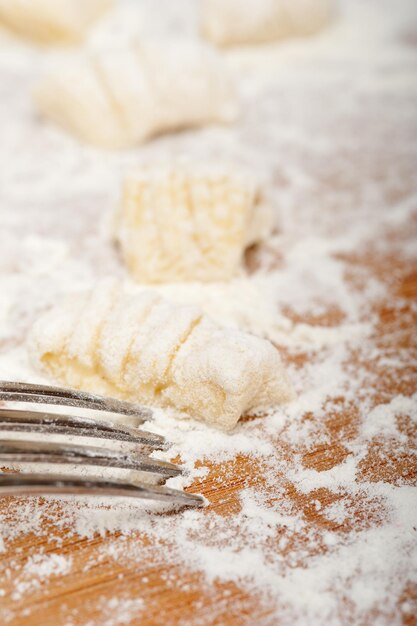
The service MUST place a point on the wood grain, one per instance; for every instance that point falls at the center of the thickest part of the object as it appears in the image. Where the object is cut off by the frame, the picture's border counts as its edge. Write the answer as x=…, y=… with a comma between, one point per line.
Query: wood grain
x=81, y=595
x=370, y=145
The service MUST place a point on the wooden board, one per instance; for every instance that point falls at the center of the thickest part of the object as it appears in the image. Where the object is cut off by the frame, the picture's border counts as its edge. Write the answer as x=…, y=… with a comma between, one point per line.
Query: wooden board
x=81, y=594
x=371, y=143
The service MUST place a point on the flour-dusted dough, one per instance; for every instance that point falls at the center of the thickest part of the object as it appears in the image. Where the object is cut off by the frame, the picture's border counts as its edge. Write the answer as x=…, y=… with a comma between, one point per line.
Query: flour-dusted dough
x=188, y=222
x=190, y=84
x=115, y=99
x=51, y=21
x=146, y=349
x=233, y=22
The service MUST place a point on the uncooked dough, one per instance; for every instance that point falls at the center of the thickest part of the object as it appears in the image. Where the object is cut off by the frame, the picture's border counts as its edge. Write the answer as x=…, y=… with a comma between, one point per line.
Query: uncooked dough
x=51, y=21
x=189, y=223
x=233, y=22
x=143, y=348
x=115, y=99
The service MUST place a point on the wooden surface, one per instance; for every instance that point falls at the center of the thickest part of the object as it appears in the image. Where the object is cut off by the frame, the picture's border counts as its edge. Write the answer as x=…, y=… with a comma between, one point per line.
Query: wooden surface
x=371, y=143
x=80, y=595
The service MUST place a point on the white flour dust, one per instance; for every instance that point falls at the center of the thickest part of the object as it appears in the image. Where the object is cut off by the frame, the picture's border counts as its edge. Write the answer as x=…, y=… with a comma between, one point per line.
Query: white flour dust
x=329, y=123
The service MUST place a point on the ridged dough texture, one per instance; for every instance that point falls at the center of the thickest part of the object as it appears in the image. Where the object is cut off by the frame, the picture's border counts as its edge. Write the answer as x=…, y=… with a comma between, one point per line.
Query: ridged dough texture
x=51, y=21
x=233, y=22
x=143, y=348
x=188, y=223
x=116, y=99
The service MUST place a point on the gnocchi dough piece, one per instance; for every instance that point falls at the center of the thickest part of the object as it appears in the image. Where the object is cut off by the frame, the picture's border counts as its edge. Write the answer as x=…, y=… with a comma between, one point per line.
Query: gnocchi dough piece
x=51, y=21
x=143, y=348
x=187, y=223
x=225, y=23
x=115, y=99
x=190, y=84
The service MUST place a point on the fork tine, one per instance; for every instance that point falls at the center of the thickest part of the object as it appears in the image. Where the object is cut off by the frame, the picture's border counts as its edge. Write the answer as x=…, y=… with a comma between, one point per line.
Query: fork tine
x=49, y=484
x=45, y=394
x=56, y=423
x=17, y=451
x=21, y=451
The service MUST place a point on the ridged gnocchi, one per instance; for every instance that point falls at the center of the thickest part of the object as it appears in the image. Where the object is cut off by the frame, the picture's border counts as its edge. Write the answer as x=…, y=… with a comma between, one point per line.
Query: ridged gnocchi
x=143, y=348
x=225, y=22
x=51, y=21
x=187, y=222
x=116, y=99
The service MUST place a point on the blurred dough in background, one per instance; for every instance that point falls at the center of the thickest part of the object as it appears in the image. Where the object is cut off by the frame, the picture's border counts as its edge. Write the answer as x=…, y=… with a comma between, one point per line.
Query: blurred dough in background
x=234, y=22
x=118, y=98
x=189, y=223
x=51, y=21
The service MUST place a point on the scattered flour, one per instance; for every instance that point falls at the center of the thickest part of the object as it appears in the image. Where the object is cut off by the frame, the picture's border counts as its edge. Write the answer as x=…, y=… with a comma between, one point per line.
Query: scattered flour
x=334, y=546
x=381, y=421
x=37, y=570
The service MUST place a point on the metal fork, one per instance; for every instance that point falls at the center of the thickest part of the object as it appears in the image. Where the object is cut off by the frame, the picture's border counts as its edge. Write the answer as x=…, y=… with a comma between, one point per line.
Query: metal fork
x=151, y=473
